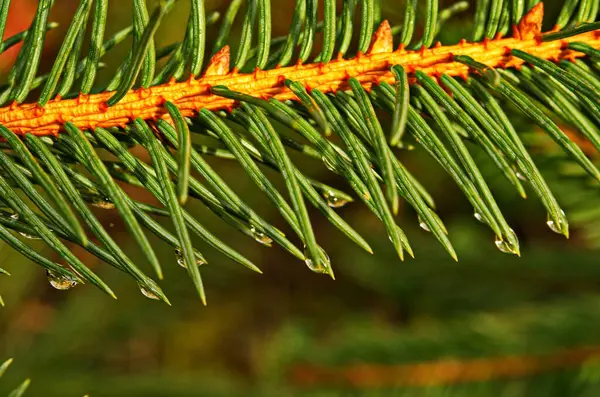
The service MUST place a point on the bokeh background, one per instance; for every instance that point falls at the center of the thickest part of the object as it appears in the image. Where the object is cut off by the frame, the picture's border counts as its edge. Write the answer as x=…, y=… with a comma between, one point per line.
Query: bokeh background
x=489, y=325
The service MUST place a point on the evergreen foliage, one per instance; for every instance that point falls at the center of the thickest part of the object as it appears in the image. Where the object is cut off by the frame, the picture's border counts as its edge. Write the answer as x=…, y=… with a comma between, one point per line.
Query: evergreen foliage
x=67, y=146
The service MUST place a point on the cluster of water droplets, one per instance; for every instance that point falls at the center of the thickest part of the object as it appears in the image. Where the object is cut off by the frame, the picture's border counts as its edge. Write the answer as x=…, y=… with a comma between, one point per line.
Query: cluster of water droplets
x=29, y=236
x=260, y=236
x=507, y=247
x=59, y=281
x=181, y=261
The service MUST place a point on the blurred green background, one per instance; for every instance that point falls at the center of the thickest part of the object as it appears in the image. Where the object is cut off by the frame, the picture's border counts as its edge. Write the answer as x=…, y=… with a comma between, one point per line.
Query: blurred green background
x=292, y=332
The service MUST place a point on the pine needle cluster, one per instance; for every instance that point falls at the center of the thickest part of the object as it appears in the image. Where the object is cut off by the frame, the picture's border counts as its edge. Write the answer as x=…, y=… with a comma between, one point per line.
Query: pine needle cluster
x=328, y=99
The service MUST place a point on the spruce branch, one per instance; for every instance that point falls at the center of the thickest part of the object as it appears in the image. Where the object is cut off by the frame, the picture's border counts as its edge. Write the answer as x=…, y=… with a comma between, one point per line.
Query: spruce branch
x=441, y=96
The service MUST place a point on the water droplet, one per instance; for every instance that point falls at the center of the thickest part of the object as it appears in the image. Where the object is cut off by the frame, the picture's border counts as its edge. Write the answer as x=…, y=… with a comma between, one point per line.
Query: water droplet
x=333, y=200
x=29, y=236
x=502, y=245
x=479, y=217
x=507, y=246
x=105, y=204
x=328, y=164
x=181, y=261
x=557, y=227
x=322, y=267
x=260, y=236
x=59, y=281
x=518, y=173
x=147, y=293
x=423, y=225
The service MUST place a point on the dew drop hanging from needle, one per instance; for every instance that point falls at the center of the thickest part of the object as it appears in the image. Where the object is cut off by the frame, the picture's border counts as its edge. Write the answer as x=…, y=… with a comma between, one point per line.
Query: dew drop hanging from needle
x=333, y=200
x=181, y=262
x=557, y=227
x=105, y=204
x=323, y=265
x=59, y=281
x=260, y=236
x=423, y=225
x=506, y=246
x=479, y=217
x=147, y=293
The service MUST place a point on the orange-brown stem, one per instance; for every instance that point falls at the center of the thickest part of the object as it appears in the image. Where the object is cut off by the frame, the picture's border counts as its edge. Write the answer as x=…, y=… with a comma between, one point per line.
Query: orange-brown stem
x=91, y=111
